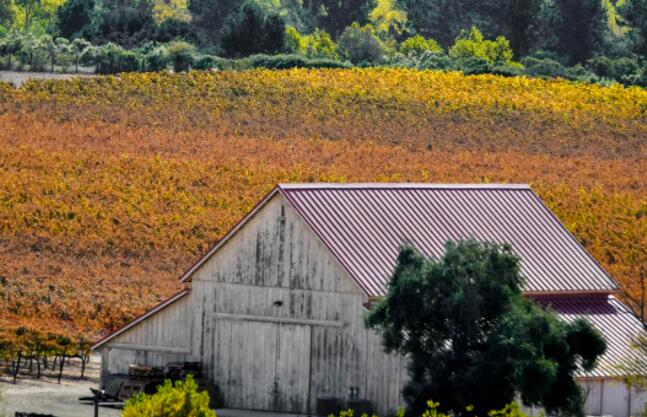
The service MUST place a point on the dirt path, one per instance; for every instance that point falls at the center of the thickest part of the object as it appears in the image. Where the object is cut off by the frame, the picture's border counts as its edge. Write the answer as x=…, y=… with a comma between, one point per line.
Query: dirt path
x=17, y=78
x=46, y=396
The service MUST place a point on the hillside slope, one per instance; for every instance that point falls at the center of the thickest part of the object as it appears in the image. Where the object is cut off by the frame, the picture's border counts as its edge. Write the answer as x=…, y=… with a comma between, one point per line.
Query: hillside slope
x=111, y=187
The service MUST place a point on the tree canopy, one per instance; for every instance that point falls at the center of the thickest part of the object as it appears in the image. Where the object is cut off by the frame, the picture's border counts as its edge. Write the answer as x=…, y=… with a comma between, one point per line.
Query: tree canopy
x=473, y=339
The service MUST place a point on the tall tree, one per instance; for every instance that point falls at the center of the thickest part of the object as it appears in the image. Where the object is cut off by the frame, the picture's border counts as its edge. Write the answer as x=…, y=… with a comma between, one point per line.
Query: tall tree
x=635, y=13
x=472, y=338
x=210, y=16
x=334, y=16
x=251, y=31
x=74, y=16
x=580, y=28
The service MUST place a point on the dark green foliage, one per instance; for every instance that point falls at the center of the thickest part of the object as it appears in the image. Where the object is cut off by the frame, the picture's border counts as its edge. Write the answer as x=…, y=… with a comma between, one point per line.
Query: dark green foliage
x=251, y=31
x=623, y=70
x=6, y=15
x=124, y=22
x=291, y=61
x=174, y=29
x=181, y=55
x=434, y=61
x=361, y=45
x=635, y=13
x=333, y=16
x=209, y=18
x=472, y=337
x=580, y=29
x=545, y=67
x=157, y=59
x=472, y=66
x=112, y=59
x=207, y=62
x=74, y=16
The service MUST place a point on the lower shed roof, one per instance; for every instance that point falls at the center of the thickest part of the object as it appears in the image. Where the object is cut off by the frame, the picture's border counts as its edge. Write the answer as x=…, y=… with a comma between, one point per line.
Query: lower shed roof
x=614, y=320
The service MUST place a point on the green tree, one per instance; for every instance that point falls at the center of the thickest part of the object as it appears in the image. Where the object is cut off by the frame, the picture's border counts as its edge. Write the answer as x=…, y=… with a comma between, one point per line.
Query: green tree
x=181, y=54
x=580, y=28
x=6, y=15
x=125, y=22
x=334, y=16
x=179, y=400
x=251, y=31
x=209, y=18
x=472, y=338
x=74, y=16
x=635, y=13
x=360, y=44
x=418, y=45
x=472, y=44
x=78, y=48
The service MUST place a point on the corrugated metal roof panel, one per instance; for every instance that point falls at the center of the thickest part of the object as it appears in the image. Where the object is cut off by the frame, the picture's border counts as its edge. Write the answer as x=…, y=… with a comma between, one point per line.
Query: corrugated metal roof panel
x=364, y=225
x=615, y=321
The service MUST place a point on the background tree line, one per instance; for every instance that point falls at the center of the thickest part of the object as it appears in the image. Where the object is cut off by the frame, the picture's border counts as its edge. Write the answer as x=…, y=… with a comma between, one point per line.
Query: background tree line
x=589, y=40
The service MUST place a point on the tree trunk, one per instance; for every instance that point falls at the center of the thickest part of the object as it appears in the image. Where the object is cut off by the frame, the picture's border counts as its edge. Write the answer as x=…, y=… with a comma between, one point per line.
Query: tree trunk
x=84, y=359
x=38, y=374
x=17, y=369
x=60, y=371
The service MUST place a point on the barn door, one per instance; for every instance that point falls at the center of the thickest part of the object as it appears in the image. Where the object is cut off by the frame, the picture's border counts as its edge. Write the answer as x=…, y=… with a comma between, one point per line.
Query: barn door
x=293, y=368
x=262, y=365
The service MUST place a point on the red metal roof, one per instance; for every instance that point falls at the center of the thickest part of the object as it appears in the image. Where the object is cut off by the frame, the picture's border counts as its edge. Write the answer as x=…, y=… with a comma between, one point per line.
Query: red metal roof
x=615, y=321
x=364, y=225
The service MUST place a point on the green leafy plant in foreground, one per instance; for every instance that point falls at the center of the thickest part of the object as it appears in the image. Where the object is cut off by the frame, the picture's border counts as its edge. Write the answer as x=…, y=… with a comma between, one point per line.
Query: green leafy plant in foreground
x=511, y=409
x=181, y=399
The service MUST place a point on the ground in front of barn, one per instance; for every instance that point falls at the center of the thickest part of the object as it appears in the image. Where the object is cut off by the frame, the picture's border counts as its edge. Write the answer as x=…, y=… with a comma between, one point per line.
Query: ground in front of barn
x=47, y=396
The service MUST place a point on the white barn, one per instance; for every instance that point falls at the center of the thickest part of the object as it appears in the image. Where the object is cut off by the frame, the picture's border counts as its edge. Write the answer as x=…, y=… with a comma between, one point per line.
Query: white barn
x=274, y=311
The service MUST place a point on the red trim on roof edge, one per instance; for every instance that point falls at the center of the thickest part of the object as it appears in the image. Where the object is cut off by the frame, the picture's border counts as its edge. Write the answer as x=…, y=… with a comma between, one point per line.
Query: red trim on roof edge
x=160, y=306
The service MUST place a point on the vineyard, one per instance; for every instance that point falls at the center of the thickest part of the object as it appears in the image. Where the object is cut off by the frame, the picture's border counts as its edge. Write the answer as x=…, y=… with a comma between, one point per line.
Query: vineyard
x=110, y=187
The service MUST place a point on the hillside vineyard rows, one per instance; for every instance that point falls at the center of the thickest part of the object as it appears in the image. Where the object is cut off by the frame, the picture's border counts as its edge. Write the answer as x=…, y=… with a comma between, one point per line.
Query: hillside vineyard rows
x=111, y=187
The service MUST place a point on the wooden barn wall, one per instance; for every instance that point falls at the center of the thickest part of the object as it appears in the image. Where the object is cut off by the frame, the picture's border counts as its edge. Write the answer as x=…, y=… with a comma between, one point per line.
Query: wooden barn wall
x=162, y=338
x=283, y=322
x=612, y=397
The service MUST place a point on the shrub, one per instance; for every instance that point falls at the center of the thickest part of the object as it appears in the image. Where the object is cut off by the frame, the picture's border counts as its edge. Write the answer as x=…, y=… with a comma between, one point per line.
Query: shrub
x=157, y=59
x=418, y=45
x=543, y=67
x=471, y=44
x=601, y=66
x=207, y=62
x=360, y=44
x=112, y=59
x=320, y=45
x=171, y=400
x=472, y=65
x=290, y=61
x=434, y=61
x=181, y=55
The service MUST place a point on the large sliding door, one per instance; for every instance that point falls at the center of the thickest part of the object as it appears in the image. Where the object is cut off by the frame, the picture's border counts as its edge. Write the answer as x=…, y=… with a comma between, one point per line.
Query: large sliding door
x=262, y=365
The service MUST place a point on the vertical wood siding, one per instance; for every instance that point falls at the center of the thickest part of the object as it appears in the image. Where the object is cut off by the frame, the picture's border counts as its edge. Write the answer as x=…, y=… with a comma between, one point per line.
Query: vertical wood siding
x=275, y=268
x=169, y=328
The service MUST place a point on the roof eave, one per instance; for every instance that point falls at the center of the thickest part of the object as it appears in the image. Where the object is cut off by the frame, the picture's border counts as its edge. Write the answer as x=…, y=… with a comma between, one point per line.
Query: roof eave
x=137, y=320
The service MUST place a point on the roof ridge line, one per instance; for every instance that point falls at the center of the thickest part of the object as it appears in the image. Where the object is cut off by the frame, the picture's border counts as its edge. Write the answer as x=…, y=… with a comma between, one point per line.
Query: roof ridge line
x=405, y=185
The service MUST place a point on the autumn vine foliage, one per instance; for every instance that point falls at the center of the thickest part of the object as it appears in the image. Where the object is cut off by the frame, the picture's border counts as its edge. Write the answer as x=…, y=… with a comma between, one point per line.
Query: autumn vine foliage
x=110, y=187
